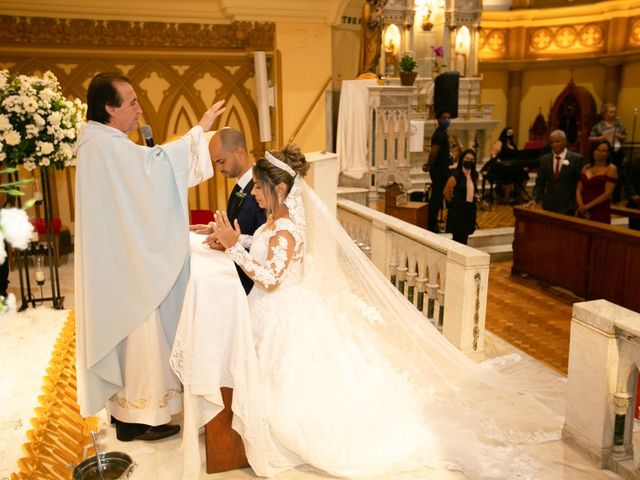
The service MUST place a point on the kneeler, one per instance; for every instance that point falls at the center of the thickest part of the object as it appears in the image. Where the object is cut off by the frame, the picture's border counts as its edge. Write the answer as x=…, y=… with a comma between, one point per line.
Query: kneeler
x=223, y=445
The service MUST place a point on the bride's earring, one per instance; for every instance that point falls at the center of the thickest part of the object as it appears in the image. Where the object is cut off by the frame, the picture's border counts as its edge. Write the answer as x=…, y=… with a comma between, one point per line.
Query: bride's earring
x=280, y=199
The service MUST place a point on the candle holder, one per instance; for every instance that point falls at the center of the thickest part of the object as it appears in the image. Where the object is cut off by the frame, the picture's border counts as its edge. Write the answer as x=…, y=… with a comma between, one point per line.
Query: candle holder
x=42, y=249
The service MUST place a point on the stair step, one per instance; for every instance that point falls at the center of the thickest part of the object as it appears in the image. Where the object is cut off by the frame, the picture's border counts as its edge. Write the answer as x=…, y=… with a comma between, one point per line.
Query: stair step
x=498, y=252
x=491, y=236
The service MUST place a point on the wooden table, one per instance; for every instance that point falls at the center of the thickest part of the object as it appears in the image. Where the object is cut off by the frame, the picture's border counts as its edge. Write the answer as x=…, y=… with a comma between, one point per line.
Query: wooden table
x=415, y=213
x=215, y=308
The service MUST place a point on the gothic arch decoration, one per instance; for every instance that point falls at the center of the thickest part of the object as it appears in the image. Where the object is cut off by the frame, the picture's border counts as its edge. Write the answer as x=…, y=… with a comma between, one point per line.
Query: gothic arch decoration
x=574, y=112
x=176, y=69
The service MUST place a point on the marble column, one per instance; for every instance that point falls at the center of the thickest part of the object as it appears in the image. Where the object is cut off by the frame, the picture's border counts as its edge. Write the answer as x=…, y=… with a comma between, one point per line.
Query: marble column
x=612, y=77
x=514, y=98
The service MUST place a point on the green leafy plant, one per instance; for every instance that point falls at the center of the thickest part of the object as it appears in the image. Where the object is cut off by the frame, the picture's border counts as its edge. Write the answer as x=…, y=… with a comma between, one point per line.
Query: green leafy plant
x=407, y=63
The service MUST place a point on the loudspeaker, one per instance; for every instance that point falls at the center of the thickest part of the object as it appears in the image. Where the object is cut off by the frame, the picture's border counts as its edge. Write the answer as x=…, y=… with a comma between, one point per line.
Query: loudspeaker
x=445, y=93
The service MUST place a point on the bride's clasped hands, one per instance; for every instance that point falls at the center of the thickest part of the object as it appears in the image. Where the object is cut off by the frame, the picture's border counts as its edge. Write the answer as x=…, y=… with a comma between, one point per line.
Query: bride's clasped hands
x=226, y=234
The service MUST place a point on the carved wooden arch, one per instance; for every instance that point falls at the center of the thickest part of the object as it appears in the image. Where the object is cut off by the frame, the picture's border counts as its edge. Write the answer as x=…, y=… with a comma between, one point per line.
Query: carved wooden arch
x=234, y=87
x=574, y=112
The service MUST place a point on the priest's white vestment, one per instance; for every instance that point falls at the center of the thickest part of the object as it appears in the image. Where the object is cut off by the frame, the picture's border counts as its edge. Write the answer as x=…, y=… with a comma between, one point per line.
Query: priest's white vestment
x=131, y=248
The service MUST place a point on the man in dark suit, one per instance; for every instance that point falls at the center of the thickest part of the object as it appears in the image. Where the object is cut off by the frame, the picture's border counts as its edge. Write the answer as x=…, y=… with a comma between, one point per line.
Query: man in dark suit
x=228, y=151
x=558, y=177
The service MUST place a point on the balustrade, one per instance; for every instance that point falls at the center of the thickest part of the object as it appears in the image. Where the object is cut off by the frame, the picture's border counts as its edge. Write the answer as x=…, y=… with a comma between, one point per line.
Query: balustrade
x=604, y=356
x=425, y=266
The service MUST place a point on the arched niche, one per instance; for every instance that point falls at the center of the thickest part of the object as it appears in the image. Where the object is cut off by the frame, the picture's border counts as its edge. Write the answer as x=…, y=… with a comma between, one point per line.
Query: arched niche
x=574, y=112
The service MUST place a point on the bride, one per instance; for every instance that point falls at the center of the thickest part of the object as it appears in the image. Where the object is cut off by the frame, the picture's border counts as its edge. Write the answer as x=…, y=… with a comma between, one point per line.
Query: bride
x=349, y=377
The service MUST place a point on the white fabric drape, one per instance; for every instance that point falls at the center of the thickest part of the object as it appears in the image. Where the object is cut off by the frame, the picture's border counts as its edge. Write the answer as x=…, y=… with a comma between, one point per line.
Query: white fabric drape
x=353, y=124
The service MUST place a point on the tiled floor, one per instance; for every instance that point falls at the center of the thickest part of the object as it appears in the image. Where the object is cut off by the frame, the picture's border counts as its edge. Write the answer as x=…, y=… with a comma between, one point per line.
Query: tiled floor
x=532, y=317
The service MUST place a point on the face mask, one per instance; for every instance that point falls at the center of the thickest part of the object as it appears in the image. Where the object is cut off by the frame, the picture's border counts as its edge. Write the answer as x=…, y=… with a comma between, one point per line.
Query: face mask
x=469, y=164
x=445, y=123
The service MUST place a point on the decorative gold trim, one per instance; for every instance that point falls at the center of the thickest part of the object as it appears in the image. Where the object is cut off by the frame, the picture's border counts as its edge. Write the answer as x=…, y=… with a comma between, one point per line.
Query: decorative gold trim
x=60, y=433
x=635, y=33
x=32, y=31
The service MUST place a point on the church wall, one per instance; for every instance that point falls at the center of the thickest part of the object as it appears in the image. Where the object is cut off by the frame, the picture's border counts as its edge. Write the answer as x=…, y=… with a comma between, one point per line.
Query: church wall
x=177, y=72
x=540, y=87
x=629, y=97
x=495, y=84
x=305, y=67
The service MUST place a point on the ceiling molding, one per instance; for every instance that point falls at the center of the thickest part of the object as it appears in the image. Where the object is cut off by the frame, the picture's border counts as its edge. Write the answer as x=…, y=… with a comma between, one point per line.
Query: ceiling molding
x=326, y=12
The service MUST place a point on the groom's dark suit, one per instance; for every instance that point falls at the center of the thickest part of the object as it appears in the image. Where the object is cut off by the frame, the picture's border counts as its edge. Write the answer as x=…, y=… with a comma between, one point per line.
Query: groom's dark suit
x=244, y=208
x=558, y=193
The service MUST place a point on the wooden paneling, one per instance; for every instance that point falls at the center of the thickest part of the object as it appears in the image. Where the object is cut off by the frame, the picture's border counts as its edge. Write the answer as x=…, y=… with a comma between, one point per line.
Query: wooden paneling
x=591, y=259
x=542, y=248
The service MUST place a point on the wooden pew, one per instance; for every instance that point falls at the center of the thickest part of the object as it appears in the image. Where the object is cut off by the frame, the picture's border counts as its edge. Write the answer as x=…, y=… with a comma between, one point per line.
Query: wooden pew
x=593, y=260
x=625, y=212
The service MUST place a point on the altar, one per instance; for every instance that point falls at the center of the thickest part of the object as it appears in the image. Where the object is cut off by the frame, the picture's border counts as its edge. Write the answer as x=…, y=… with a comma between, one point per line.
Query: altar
x=215, y=308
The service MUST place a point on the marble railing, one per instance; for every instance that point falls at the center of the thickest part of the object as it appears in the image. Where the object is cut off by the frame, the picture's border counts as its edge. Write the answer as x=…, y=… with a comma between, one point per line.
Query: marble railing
x=604, y=356
x=445, y=280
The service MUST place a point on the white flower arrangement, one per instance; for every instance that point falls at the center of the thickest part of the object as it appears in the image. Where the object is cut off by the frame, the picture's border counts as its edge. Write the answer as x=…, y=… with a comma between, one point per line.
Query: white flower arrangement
x=38, y=125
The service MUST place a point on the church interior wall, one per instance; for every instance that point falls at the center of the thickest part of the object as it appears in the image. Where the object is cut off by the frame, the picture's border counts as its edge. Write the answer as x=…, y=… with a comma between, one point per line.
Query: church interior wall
x=175, y=84
x=306, y=67
x=495, y=84
x=540, y=87
x=629, y=97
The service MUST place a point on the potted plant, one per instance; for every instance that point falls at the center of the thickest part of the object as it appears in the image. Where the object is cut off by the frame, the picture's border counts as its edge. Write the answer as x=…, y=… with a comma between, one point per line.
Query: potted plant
x=406, y=69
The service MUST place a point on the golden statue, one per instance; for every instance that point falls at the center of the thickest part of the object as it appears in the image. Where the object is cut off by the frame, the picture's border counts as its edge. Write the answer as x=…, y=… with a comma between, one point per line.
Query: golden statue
x=372, y=25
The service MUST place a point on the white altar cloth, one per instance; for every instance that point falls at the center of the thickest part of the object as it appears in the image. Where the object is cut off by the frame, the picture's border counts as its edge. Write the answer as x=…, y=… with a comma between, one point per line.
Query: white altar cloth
x=215, y=305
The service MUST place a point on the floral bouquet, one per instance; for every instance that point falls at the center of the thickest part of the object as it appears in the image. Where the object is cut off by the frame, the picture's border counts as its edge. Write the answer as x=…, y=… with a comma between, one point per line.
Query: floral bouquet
x=38, y=125
x=438, y=53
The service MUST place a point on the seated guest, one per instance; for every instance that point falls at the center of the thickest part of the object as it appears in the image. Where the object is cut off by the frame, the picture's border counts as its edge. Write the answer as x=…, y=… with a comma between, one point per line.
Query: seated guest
x=632, y=187
x=500, y=169
x=558, y=177
x=460, y=192
x=596, y=185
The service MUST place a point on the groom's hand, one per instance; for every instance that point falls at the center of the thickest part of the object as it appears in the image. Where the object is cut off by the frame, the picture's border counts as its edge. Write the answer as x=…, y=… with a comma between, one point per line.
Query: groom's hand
x=213, y=242
x=201, y=229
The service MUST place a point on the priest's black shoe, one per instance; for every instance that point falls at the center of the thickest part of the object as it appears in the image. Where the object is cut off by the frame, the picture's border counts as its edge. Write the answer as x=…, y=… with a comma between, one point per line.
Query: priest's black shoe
x=127, y=432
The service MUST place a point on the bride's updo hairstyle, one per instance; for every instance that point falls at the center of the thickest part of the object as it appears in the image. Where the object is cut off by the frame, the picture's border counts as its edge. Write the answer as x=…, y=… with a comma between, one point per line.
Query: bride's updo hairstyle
x=271, y=175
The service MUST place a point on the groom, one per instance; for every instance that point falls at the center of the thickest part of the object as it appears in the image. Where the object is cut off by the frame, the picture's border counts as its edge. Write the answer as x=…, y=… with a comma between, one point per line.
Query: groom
x=228, y=150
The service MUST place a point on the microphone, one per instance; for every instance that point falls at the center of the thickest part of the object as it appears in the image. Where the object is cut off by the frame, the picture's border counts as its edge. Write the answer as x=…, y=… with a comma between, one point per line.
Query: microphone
x=147, y=135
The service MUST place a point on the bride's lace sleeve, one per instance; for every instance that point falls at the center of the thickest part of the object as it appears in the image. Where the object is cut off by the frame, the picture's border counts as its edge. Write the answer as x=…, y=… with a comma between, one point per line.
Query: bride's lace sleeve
x=245, y=241
x=269, y=274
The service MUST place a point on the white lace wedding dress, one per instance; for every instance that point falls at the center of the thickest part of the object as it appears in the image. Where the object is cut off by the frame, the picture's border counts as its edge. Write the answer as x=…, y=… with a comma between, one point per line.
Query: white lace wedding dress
x=348, y=384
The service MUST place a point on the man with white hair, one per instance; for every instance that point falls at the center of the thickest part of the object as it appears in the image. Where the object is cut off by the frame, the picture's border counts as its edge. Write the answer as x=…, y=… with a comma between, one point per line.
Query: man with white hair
x=558, y=177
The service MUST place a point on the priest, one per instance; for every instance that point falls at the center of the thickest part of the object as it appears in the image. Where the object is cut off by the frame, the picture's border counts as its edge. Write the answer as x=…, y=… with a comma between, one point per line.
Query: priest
x=131, y=260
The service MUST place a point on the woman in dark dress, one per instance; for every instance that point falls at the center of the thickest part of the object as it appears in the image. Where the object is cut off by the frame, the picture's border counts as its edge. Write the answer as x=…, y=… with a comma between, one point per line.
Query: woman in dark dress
x=460, y=191
x=596, y=185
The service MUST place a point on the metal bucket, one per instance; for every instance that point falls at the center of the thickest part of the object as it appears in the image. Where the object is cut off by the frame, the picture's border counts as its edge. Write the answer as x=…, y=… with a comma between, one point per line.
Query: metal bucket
x=115, y=466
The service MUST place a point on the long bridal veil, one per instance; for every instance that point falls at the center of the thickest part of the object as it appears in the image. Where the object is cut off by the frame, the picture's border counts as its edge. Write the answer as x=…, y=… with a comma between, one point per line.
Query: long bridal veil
x=477, y=417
